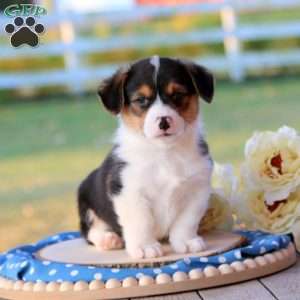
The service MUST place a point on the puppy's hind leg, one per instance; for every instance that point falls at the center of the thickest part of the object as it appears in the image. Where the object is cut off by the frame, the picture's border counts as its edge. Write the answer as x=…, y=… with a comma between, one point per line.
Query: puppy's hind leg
x=101, y=234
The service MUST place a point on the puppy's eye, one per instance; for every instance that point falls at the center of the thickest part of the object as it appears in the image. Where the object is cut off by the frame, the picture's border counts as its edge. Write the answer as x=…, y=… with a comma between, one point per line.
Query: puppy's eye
x=178, y=95
x=142, y=101
x=177, y=98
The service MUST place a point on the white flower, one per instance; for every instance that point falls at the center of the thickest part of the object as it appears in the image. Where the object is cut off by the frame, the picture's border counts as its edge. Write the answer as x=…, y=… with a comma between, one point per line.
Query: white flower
x=218, y=215
x=272, y=163
x=280, y=217
x=224, y=182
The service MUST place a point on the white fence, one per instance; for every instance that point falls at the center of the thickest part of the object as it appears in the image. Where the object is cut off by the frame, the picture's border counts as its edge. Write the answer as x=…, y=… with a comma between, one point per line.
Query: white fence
x=73, y=47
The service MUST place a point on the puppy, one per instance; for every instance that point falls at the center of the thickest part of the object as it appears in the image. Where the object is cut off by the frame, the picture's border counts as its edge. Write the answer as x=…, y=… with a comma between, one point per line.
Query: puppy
x=155, y=183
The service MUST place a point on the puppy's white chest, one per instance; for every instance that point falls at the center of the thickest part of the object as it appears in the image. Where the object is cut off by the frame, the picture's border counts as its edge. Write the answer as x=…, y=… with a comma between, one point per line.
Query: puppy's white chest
x=159, y=182
x=165, y=187
x=165, y=174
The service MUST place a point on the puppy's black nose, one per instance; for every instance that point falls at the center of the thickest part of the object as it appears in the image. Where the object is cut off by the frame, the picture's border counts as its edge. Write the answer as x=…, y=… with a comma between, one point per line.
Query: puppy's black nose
x=164, y=124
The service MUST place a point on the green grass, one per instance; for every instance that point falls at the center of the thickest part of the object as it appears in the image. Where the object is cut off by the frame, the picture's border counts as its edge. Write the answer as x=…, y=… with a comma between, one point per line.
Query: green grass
x=47, y=147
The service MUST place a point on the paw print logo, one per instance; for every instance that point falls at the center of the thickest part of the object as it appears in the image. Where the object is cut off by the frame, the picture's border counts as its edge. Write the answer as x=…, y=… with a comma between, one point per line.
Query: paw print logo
x=24, y=32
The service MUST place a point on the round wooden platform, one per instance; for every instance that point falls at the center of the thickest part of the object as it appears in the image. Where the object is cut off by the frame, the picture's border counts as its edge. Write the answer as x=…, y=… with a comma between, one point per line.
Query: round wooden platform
x=146, y=286
x=77, y=251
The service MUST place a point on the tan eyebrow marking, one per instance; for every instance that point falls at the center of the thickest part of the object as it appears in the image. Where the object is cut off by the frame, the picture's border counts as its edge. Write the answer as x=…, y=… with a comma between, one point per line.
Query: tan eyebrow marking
x=143, y=90
x=175, y=87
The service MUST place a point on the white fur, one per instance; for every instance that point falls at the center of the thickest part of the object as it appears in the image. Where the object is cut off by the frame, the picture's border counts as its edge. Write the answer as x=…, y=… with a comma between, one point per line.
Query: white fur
x=153, y=117
x=166, y=187
x=100, y=234
x=156, y=63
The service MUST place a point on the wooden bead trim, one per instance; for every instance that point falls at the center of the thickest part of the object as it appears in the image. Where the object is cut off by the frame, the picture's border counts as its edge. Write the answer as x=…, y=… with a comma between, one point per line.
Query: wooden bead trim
x=209, y=273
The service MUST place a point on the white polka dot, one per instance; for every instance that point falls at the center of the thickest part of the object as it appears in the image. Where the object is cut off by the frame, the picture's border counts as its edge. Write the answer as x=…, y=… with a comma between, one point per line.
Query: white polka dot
x=69, y=265
x=157, y=271
x=74, y=273
x=91, y=267
x=275, y=243
x=222, y=259
x=98, y=276
x=203, y=259
x=262, y=241
x=23, y=264
x=55, y=237
x=39, y=280
x=139, y=275
x=237, y=254
x=59, y=280
x=174, y=266
x=32, y=270
x=115, y=270
x=187, y=260
x=9, y=255
x=262, y=250
x=52, y=272
x=46, y=263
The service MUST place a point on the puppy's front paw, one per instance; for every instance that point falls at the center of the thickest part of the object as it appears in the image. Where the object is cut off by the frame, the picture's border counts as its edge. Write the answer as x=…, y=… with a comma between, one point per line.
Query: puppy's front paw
x=146, y=251
x=196, y=244
x=108, y=241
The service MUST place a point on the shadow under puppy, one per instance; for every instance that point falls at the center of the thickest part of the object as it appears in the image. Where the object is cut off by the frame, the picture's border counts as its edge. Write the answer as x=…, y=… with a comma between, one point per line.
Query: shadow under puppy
x=155, y=183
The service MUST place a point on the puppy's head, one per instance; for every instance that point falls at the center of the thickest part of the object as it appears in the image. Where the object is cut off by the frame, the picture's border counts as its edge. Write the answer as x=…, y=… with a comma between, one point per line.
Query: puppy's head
x=158, y=97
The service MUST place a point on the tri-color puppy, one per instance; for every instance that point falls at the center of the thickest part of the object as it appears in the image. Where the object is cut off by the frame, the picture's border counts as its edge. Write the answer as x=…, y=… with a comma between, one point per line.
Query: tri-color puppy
x=155, y=183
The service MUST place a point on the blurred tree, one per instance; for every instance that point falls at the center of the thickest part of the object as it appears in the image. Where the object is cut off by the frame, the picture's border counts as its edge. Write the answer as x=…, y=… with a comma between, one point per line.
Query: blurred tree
x=5, y=3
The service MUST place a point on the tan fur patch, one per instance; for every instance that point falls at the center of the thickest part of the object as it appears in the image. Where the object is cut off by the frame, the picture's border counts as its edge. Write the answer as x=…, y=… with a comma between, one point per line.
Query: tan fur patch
x=143, y=90
x=174, y=87
x=189, y=111
x=134, y=115
x=132, y=118
x=190, y=106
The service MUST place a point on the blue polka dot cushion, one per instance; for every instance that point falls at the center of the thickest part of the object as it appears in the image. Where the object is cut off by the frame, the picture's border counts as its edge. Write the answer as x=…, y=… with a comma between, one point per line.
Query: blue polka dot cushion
x=22, y=264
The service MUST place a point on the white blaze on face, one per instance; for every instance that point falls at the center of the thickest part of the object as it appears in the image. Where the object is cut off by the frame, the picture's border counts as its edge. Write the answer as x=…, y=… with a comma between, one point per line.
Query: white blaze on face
x=154, y=61
x=158, y=110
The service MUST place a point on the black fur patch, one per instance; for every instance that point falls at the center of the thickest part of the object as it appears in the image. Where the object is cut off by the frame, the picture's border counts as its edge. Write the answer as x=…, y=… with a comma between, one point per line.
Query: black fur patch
x=113, y=180
x=111, y=91
x=203, y=146
x=95, y=193
x=203, y=81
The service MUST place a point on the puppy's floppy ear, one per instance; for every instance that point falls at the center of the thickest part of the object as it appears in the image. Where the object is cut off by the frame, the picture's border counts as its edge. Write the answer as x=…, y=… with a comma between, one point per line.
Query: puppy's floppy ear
x=202, y=79
x=111, y=91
